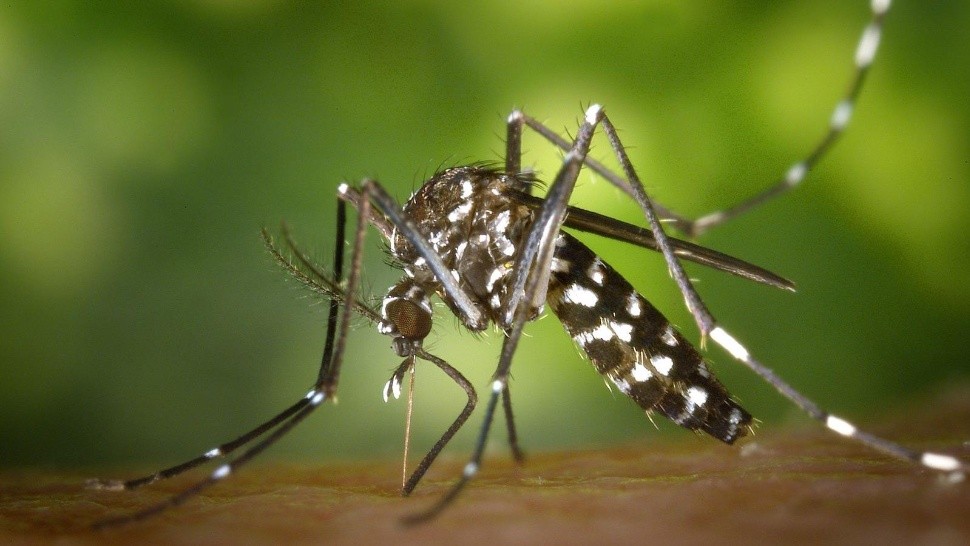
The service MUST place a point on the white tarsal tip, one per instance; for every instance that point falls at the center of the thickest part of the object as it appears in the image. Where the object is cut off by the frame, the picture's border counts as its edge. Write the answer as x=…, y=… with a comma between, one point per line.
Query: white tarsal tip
x=515, y=116
x=712, y=218
x=880, y=6
x=593, y=114
x=868, y=45
x=795, y=174
x=105, y=485
x=498, y=385
x=940, y=462
x=840, y=426
x=221, y=472
x=730, y=344
x=841, y=115
x=213, y=453
x=342, y=188
x=470, y=470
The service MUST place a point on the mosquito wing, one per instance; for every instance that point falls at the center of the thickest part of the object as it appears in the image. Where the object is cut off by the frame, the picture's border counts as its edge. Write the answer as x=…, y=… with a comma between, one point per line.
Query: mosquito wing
x=592, y=222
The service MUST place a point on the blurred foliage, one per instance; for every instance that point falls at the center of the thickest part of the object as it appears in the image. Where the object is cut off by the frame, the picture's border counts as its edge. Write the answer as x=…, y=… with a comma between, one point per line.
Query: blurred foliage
x=144, y=144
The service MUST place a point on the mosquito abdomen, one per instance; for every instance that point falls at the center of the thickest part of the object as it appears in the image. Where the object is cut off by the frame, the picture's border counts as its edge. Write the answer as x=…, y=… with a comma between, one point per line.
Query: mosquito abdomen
x=634, y=346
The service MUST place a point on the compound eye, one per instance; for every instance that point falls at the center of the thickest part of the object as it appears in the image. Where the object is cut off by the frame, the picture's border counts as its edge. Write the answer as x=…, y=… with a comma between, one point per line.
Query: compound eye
x=411, y=320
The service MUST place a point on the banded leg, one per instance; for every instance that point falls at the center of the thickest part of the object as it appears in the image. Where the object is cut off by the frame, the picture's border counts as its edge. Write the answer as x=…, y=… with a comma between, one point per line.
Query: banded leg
x=229, y=447
x=517, y=454
x=709, y=328
x=308, y=273
x=531, y=274
x=326, y=386
x=278, y=426
x=864, y=56
x=934, y=461
x=396, y=220
x=393, y=388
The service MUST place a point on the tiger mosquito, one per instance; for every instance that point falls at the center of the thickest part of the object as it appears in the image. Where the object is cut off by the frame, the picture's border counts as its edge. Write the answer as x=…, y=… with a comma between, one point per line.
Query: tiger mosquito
x=494, y=254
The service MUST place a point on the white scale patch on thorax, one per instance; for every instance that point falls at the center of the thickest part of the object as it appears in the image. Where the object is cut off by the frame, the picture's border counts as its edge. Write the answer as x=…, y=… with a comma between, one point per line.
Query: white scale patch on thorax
x=460, y=211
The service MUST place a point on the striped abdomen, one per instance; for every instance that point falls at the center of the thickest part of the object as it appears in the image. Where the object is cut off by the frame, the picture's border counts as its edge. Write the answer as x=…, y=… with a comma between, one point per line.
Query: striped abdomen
x=635, y=347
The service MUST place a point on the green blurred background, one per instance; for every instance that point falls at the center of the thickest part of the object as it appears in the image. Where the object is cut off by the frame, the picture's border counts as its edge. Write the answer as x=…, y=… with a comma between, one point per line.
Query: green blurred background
x=142, y=146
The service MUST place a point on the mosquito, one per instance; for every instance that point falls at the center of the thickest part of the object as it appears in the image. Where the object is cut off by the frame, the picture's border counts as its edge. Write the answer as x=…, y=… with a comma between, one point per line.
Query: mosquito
x=476, y=238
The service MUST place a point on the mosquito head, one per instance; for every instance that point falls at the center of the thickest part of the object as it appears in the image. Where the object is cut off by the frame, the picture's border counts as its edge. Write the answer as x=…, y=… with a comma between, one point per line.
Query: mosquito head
x=412, y=323
x=406, y=316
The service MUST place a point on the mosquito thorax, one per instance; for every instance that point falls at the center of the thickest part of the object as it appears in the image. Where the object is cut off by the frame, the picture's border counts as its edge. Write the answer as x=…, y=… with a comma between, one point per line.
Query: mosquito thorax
x=470, y=221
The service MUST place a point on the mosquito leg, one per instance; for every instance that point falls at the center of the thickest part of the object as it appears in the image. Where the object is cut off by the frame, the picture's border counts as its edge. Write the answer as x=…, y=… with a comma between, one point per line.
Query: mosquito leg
x=593, y=164
x=865, y=53
x=709, y=327
x=471, y=467
x=531, y=272
x=226, y=448
x=473, y=314
x=459, y=421
x=517, y=453
x=513, y=143
x=327, y=364
x=217, y=452
x=934, y=461
x=705, y=321
x=513, y=165
x=533, y=264
x=499, y=385
x=324, y=389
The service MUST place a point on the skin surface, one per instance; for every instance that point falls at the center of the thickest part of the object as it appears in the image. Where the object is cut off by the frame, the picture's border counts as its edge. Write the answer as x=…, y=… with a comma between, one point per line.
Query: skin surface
x=795, y=486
